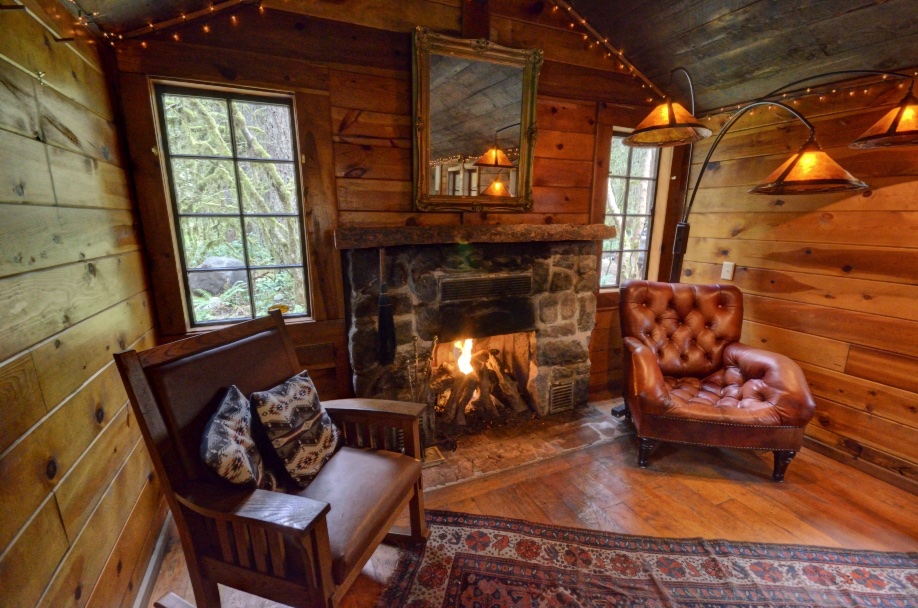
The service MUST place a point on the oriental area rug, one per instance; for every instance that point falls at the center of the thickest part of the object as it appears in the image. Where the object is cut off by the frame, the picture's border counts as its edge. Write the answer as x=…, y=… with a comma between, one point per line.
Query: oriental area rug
x=473, y=561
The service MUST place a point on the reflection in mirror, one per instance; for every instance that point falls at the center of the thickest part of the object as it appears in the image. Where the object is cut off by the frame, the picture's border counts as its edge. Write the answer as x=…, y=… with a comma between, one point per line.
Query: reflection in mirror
x=475, y=122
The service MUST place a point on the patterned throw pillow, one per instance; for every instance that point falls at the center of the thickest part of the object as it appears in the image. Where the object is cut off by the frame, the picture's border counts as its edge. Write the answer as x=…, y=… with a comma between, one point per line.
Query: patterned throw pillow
x=301, y=432
x=228, y=447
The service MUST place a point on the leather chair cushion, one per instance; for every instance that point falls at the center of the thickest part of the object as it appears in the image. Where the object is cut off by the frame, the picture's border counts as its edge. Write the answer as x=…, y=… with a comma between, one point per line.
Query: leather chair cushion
x=363, y=488
x=721, y=398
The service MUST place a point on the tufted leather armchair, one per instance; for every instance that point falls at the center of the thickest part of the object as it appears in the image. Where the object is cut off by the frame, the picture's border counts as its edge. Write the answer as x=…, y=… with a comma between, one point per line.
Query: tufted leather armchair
x=689, y=380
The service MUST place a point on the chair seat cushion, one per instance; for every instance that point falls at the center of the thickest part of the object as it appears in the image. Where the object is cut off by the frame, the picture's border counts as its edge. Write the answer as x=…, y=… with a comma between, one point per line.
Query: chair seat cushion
x=363, y=488
x=720, y=398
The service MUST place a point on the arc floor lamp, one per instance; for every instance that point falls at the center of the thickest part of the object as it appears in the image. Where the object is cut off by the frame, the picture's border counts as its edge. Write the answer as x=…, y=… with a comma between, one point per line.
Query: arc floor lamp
x=807, y=171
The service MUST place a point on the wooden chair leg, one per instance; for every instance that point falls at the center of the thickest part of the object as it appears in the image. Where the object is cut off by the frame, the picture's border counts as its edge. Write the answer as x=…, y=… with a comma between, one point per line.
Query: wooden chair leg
x=782, y=460
x=645, y=447
x=419, y=530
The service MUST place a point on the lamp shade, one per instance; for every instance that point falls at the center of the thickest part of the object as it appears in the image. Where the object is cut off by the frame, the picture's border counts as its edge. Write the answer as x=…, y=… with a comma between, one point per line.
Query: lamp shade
x=494, y=157
x=497, y=188
x=670, y=124
x=809, y=171
x=899, y=127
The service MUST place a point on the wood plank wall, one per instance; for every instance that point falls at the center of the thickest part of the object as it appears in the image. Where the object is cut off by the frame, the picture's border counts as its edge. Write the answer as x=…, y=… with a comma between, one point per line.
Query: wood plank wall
x=81, y=508
x=830, y=280
x=349, y=65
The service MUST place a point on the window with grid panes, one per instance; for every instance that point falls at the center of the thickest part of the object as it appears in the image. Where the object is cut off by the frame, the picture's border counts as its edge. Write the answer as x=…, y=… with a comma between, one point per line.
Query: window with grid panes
x=631, y=189
x=234, y=183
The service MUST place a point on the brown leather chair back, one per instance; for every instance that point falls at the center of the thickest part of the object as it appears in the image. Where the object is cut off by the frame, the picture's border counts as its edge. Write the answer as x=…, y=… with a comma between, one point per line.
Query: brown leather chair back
x=186, y=380
x=687, y=326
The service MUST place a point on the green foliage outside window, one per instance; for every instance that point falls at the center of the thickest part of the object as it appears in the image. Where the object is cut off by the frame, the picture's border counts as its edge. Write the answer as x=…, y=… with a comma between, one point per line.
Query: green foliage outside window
x=631, y=184
x=237, y=205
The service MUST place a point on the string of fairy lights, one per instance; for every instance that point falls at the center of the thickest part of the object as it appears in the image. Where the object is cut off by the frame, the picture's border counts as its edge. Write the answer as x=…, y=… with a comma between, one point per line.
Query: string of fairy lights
x=562, y=9
x=461, y=159
x=596, y=40
x=576, y=22
x=822, y=93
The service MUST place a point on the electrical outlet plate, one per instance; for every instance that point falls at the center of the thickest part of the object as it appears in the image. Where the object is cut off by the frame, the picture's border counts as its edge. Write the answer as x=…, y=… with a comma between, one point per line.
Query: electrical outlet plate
x=727, y=271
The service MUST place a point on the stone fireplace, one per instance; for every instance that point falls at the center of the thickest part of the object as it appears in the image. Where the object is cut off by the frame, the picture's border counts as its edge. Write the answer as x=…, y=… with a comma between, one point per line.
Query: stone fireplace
x=531, y=289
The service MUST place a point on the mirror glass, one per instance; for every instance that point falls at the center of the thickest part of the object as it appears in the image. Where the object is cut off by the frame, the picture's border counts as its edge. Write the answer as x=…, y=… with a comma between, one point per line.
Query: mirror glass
x=475, y=124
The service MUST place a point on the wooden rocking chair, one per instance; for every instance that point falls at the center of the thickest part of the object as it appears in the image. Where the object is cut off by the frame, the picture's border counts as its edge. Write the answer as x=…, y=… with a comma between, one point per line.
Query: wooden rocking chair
x=302, y=549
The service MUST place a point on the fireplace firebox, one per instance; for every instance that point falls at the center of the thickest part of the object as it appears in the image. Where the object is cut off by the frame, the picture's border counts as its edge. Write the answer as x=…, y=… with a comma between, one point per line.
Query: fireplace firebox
x=529, y=302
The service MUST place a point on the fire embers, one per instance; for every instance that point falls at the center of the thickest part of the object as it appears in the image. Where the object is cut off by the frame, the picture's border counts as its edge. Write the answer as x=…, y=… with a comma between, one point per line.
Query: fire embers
x=476, y=386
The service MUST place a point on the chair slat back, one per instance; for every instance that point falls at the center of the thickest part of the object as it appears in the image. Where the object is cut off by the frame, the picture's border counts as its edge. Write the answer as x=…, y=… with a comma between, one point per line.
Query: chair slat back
x=176, y=388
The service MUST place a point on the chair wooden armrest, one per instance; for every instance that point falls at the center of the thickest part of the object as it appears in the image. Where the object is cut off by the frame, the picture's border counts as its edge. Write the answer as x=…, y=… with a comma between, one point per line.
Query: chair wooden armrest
x=378, y=424
x=283, y=513
x=374, y=407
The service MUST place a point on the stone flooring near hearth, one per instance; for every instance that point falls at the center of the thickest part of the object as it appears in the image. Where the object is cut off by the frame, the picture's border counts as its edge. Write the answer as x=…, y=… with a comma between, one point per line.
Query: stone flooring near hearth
x=502, y=448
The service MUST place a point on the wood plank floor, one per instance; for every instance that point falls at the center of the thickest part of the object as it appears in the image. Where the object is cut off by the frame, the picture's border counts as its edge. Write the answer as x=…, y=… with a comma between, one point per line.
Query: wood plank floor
x=686, y=492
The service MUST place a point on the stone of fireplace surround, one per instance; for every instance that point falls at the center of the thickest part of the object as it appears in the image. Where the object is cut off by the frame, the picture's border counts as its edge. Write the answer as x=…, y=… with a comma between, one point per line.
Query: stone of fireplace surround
x=560, y=309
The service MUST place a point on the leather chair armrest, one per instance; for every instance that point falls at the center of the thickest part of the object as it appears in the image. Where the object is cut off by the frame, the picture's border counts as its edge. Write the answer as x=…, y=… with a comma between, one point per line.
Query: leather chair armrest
x=284, y=513
x=780, y=375
x=646, y=375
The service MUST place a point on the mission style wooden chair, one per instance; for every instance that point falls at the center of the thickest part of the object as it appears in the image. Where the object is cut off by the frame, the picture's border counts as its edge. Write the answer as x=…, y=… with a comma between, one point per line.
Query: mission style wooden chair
x=302, y=549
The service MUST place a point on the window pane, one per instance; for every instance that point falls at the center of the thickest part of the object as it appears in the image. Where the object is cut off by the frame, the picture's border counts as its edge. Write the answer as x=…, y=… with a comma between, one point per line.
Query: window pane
x=273, y=241
x=262, y=130
x=643, y=162
x=637, y=232
x=286, y=286
x=615, y=197
x=640, y=196
x=633, y=265
x=197, y=125
x=268, y=187
x=618, y=157
x=230, y=302
x=608, y=276
x=206, y=239
x=204, y=186
x=615, y=242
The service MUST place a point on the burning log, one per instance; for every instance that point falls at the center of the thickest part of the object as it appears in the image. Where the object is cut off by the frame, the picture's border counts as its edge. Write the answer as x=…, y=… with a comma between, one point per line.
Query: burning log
x=487, y=388
x=460, y=394
x=507, y=388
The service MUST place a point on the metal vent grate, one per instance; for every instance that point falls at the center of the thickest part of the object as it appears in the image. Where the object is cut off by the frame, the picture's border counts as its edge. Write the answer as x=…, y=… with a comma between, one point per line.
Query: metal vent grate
x=561, y=397
x=473, y=288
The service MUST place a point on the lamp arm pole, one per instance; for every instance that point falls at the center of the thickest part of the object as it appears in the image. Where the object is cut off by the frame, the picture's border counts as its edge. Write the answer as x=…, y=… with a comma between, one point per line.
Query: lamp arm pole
x=691, y=86
x=680, y=244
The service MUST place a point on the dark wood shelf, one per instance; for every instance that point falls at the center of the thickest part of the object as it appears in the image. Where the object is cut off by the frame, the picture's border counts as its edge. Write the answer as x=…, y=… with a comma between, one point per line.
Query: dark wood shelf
x=390, y=236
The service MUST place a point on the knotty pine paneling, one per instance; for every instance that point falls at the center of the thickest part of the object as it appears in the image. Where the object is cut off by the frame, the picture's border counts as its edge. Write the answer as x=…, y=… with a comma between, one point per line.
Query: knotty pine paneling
x=362, y=131
x=829, y=279
x=73, y=290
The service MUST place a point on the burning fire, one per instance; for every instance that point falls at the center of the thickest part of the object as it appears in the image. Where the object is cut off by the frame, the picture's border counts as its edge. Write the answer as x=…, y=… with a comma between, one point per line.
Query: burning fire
x=465, y=359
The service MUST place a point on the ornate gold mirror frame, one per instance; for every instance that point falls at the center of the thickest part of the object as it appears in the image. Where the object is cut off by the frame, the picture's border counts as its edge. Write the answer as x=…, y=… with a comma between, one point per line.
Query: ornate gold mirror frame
x=428, y=198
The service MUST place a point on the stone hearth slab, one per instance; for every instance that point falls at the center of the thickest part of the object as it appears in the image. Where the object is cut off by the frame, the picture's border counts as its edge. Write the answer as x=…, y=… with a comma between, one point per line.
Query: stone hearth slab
x=497, y=450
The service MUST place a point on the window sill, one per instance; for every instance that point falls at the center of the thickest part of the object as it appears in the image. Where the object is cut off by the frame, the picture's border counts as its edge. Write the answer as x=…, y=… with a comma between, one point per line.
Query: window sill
x=193, y=331
x=607, y=297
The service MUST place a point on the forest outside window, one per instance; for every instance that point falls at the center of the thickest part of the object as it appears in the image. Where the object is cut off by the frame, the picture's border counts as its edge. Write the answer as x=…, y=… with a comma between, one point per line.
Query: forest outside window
x=631, y=190
x=234, y=184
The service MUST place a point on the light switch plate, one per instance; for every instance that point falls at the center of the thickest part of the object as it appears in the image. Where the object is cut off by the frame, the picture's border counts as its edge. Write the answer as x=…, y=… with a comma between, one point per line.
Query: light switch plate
x=727, y=271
